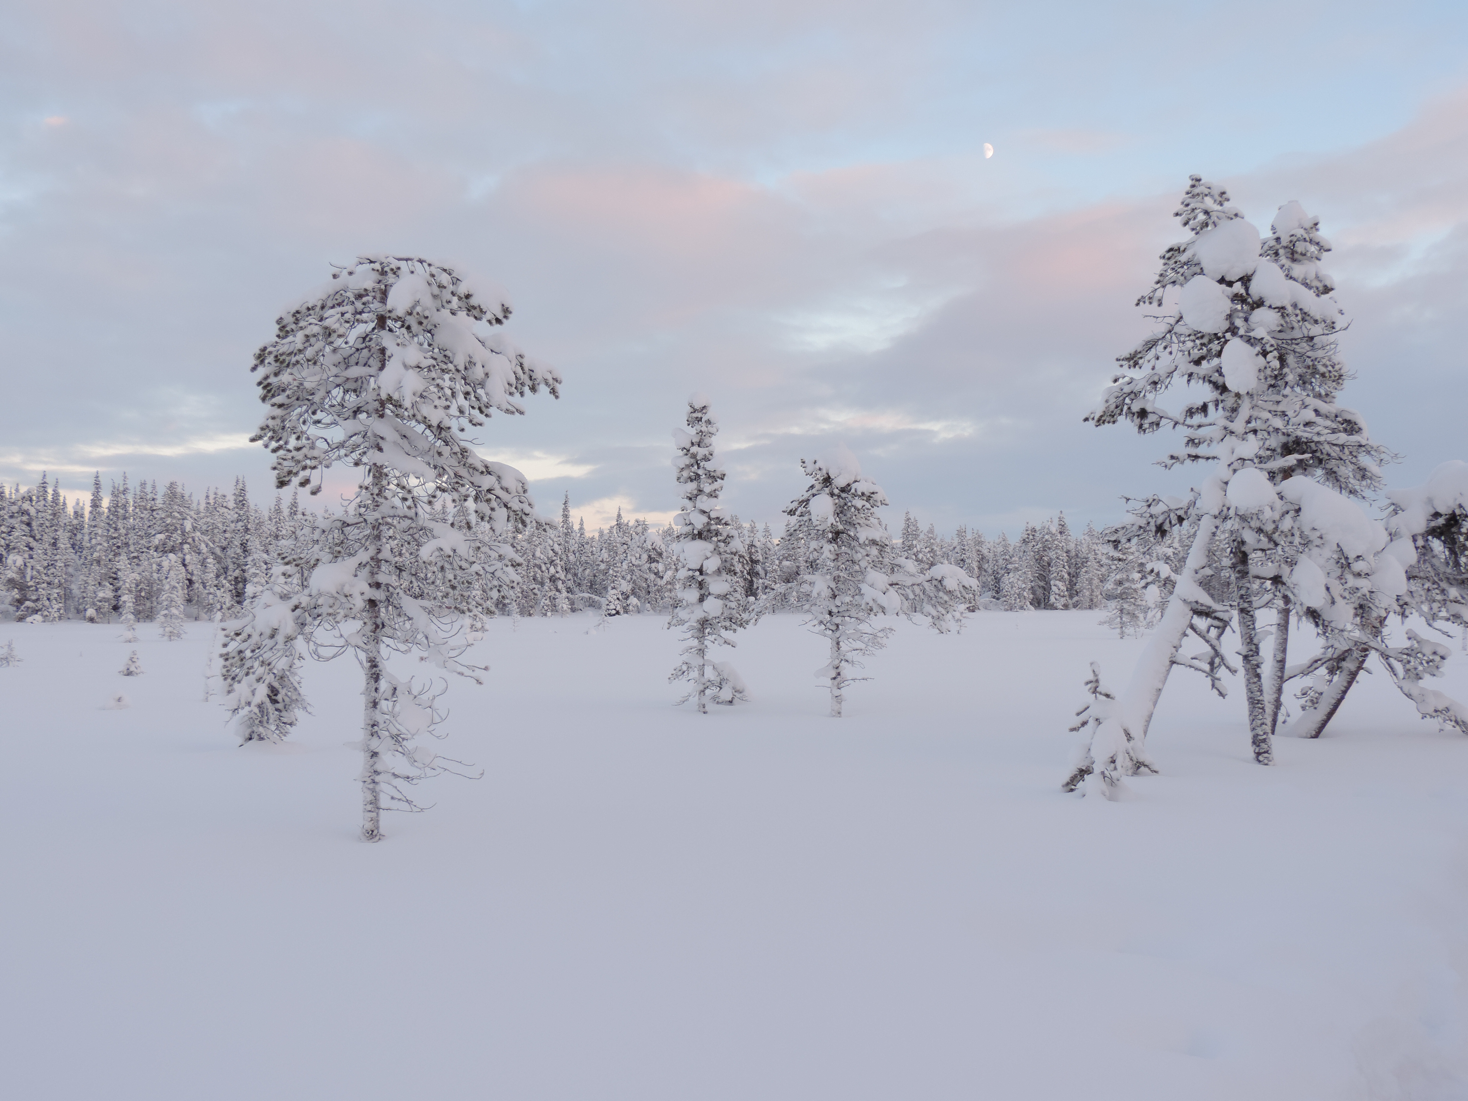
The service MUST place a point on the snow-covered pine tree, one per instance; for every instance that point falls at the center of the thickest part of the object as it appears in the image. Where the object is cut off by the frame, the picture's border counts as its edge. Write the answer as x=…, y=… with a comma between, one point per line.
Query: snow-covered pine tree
x=613, y=548
x=92, y=583
x=1126, y=605
x=1091, y=574
x=843, y=579
x=1108, y=752
x=1017, y=587
x=911, y=537
x=8, y=656
x=134, y=667
x=1429, y=526
x=128, y=579
x=1060, y=549
x=387, y=369
x=171, y=600
x=708, y=606
x=1257, y=345
x=50, y=576
x=261, y=662
x=836, y=522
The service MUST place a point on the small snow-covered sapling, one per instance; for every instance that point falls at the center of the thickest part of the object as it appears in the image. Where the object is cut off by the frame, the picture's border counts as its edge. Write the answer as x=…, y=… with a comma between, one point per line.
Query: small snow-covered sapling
x=133, y=668
x=8, y=655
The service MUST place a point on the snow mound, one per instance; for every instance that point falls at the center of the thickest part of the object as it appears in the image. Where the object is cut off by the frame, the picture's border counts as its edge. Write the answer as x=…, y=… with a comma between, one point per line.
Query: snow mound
x=1334, y=519
x=1291, y=218
x=1445, y=490
x=840, y=465
x=1270, y=286
x=1249, y=489
x=117, y=702
x=1240, y=366
x=1204, y=305
x=1229, y=250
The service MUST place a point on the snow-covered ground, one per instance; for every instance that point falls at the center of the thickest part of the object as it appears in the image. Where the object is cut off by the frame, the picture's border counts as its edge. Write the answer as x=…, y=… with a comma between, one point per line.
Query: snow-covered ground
x=764, y=903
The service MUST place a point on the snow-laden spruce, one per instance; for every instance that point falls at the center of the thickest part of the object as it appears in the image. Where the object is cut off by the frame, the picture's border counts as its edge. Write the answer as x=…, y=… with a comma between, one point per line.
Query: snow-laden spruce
x=387, y=369
x=849, y=574
x=1247, y=329
x=711, y=604
x=134, y=667
x=261, y=662
x=171, y=603
x=1429, y=529
x=8, y=656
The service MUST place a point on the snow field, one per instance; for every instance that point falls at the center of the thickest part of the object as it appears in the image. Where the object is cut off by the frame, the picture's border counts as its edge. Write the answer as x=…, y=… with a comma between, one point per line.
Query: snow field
x=639, y=902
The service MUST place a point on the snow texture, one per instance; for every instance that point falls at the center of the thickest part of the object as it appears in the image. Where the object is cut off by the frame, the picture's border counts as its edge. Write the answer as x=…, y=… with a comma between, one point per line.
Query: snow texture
x=1205, y=305
x=1445, y=490
x=901, y=907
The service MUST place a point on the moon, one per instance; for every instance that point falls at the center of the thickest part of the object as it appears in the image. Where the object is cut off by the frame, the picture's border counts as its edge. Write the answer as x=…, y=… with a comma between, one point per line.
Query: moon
x=988, y=151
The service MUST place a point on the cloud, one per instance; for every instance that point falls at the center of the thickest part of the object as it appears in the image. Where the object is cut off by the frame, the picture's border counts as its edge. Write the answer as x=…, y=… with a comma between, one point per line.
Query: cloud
x=782, y=204
x=603, y=512
x=539, y=466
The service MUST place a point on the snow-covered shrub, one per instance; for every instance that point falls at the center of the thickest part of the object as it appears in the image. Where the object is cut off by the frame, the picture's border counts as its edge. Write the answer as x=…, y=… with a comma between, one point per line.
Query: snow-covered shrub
x=8, y=656
x=1108, y=751
x=134, y=667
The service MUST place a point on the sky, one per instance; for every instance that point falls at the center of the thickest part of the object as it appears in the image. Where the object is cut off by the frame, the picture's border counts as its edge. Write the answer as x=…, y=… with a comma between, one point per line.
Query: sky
x=782, y=205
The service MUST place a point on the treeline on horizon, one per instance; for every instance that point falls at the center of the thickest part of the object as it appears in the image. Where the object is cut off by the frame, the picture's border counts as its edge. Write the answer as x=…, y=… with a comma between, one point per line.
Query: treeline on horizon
x=109, y=558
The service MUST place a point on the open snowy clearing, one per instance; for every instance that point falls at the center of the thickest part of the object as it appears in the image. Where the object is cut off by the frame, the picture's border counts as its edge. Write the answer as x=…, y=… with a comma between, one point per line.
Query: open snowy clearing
x=639, y=902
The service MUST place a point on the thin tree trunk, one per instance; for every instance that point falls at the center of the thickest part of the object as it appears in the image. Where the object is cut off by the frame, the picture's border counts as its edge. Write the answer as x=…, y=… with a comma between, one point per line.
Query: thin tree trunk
x=1249, y=652
x=1312, y=723
x=835, y=676
x=372, y=628
x=702, y=629
x=1138, y=701
x=1274, y=690
x=371, y=646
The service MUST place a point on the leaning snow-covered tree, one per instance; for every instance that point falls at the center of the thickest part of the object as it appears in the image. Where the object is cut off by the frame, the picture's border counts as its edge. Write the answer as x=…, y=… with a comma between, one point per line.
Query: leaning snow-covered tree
x=388, y=369
x=709, y=607
x=848, y=575
x=1247, y=328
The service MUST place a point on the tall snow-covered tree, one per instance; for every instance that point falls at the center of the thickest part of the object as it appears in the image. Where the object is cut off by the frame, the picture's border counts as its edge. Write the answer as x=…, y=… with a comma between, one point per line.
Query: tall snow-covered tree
x=171, y=601
x=709, y=606
x=1060, y=549
x=1017, y=588
x=1254, y=346
x=388, y=369
x=1123, y=590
